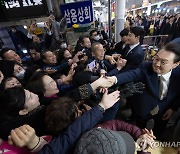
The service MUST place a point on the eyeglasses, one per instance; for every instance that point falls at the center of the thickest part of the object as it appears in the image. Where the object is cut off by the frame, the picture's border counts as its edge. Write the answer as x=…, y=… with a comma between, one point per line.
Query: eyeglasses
x=162, y=61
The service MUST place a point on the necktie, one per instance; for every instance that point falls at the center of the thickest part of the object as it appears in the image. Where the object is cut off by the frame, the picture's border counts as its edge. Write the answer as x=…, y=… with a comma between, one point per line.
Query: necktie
x=127, y=50
x=162, y=88
x=102, y=65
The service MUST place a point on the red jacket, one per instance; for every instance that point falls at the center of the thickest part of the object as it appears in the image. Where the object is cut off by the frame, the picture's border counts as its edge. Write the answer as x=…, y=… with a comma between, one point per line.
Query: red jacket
x=119, y=125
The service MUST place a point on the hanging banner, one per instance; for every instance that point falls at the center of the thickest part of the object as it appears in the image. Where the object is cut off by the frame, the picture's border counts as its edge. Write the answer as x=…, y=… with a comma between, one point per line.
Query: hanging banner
x=77, y=13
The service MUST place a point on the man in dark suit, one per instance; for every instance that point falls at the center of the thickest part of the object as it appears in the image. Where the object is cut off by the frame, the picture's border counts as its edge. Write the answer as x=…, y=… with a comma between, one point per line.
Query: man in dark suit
x=168, y=29
x=122, y=44
x=133, y=52
x=98, y=54
x=157, y=100
x=159, y=24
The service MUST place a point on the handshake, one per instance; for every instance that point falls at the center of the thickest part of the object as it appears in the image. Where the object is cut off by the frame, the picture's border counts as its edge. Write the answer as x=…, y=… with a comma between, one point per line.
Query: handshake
x=126, y=91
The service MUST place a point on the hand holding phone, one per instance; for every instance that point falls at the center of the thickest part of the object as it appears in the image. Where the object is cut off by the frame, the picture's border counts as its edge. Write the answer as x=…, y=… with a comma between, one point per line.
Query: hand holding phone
x=40, y=24
x=92, y=65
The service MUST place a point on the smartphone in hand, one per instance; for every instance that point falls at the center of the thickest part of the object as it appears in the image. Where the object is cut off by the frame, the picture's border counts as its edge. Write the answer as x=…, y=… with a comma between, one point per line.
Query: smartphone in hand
x=92, y=65
x=40, y=24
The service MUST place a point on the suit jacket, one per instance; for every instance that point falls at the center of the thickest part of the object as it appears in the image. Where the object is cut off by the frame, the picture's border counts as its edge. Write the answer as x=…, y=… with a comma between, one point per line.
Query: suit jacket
x=176, y=31
x=134, y=58
x=168, y=29
x=157, y=28
x=65, y=143
x=142, y=104
x=118, y=47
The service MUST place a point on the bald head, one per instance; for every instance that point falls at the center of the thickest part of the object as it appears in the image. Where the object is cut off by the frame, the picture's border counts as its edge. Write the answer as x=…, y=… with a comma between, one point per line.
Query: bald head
x=98, y=50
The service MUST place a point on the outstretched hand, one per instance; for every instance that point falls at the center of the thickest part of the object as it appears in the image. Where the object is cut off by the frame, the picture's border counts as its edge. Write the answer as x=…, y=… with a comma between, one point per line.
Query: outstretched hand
x=108, y=100
x=121, y=63
x=102, y=82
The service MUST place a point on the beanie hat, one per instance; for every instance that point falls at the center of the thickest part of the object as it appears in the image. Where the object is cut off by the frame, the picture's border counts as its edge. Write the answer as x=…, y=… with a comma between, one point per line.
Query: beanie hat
x=7, y=68
x=104, y=141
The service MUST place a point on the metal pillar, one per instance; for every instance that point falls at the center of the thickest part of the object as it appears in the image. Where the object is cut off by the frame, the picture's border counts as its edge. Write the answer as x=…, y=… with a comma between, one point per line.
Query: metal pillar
x=57, y=7
x=49, y=5
x=109, y=18
x=119, y=18
x=57, y=12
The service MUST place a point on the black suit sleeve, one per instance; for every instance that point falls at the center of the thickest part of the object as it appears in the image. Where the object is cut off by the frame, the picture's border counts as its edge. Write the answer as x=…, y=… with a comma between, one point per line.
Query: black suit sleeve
x=65, y=143
x=130, y=76
x=48, y=41
x=176, y=104
x=133, y=62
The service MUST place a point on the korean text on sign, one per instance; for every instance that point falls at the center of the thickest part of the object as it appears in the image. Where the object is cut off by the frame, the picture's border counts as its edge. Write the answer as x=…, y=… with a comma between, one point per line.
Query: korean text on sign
x=79, y=12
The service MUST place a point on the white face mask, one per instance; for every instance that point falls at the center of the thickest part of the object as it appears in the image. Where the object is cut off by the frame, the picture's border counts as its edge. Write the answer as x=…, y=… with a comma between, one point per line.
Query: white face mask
x=20, y=75
x=63, y=46
x=97, y=38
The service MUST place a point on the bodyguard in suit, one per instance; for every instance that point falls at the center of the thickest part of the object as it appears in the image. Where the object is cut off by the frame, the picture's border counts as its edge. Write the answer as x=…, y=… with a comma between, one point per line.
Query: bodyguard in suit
x=161, y=78
x=133, y=52
x=122, y=44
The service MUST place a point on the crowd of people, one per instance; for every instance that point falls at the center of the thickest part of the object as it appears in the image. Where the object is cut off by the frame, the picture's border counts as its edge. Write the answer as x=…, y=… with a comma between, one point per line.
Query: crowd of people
x=161, y=24
x=64, y=100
